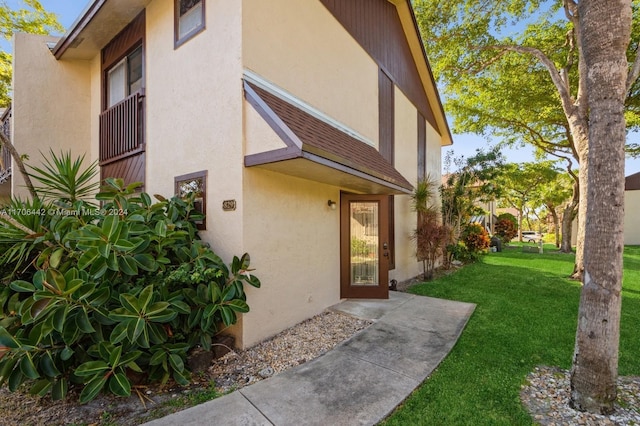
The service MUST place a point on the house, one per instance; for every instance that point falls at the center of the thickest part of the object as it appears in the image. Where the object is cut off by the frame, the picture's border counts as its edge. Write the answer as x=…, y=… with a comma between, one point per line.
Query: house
x=303, y=124
x=5, y=158
x=631, y=208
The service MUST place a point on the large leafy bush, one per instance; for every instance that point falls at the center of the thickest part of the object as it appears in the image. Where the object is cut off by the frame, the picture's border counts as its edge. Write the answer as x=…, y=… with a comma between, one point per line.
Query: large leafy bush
x=506, y=227
x=92, y=294
x=475, y=238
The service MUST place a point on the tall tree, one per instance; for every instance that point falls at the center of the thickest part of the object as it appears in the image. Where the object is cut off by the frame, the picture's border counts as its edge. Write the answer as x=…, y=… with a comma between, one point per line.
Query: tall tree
x=519, y=185
x=30, y=18
x=555, y=196
x=605, y=37
x=516, y=70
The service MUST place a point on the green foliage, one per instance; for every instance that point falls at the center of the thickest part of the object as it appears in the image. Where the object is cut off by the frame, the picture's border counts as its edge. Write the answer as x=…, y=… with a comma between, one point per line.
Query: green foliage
x=460, y=252
x=430, y=235
x=63, y=179
x=32, y=18
x=360, y=247
x=472, y=182
x=479, y=382
x=475, y=238
x=506, y=227
x=96, y=294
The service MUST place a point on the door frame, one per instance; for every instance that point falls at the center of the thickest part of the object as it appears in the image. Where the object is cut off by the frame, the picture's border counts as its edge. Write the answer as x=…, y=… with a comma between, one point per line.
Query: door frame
x=381, y=291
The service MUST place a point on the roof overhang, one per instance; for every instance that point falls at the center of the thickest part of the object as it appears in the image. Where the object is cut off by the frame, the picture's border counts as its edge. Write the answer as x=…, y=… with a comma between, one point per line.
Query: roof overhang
x=98, y=24
x=318, y=151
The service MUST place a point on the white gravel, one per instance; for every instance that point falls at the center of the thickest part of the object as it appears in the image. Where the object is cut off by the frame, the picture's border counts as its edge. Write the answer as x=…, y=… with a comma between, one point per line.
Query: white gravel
x=546, y=396
x=294, y=346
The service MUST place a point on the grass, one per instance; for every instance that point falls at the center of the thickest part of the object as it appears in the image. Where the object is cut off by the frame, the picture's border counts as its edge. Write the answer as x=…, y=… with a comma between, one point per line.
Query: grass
x=525, y=316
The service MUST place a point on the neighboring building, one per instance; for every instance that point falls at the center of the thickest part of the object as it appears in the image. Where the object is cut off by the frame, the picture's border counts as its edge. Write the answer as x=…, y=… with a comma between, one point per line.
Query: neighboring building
x=631, y=209
x=5, y=158
x=305, y=124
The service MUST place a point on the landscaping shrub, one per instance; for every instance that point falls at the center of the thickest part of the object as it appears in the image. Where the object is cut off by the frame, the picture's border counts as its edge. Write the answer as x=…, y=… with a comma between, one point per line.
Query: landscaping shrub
x=99, y=294
x=506, y=228
x=430, y=235
x=475, y=238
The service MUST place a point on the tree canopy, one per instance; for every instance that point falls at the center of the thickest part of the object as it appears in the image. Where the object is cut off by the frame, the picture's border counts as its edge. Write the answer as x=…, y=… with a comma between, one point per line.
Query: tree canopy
x=31, y=17
x=493, y=59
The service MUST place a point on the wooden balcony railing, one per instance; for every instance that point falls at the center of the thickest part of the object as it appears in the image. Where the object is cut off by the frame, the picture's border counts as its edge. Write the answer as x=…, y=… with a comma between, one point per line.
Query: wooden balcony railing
x=122, y=129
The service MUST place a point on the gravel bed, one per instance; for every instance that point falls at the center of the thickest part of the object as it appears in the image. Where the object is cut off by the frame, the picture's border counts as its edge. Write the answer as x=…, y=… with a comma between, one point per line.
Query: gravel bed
x=294, y=346
x=546, y=396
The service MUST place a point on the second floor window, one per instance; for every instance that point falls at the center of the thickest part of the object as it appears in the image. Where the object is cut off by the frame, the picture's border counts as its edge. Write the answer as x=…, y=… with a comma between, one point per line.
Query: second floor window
x=189, y=19
x=125, y=77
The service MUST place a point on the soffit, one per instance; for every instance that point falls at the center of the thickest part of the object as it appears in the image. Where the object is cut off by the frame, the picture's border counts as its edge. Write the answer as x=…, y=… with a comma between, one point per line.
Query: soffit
x=318, y=151
x=632, y=182
x=98, y=24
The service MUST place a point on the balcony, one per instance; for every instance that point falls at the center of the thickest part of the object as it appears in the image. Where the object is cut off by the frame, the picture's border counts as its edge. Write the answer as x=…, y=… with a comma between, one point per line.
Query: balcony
x=122, y=129
x=5, y=156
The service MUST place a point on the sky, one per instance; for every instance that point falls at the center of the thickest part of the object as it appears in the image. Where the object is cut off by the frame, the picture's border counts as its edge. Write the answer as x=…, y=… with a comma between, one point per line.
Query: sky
x=463, y=145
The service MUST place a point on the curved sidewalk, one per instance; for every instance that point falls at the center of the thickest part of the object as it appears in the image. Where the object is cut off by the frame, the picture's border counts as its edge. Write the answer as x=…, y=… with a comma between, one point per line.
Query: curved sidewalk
x=359, y=382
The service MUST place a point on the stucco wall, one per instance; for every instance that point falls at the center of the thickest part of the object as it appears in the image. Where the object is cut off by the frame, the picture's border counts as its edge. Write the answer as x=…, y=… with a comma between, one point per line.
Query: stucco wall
x=406, y=162
x=194, y=113
x=299, y=46
x=294, y=241
x=51, y=104
x=631, y=217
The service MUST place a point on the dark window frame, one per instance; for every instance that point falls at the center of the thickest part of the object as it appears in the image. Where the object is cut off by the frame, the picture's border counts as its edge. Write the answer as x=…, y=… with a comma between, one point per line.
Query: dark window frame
x=386, y=136
x=179, y=41
x=422, y=147
x=202, y=174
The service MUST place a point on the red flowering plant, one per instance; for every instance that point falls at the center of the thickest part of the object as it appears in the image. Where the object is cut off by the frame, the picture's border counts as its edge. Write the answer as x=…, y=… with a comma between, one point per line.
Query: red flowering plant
x=475, y=238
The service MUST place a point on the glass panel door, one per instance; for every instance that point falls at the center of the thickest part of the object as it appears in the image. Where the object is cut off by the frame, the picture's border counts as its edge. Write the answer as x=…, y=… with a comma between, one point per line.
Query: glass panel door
x=365, y=267
x=364, y=246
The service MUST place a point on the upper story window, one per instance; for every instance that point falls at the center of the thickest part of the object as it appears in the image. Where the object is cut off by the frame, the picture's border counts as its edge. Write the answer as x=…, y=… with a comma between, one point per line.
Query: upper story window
x=189, y=19
x=125, y=77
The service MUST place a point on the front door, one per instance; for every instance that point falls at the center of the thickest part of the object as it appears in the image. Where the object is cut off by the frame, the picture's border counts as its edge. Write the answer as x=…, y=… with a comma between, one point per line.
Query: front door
x=364, y=246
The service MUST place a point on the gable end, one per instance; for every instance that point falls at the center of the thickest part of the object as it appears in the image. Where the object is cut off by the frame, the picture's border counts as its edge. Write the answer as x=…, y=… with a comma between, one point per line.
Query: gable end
x=379, y=31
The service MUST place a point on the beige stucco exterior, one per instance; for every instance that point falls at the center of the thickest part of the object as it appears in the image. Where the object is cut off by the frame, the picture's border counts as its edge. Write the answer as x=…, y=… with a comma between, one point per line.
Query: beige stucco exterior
x=631, y=217
x=299, y=46
x=52, y=110
x=406, y=161
x=197, y=119
x=293, y=237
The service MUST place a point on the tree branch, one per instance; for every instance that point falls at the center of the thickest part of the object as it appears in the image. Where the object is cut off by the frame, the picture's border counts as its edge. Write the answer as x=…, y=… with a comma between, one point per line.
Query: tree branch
x=635, y=70
x=6, y=143
x=556, y=77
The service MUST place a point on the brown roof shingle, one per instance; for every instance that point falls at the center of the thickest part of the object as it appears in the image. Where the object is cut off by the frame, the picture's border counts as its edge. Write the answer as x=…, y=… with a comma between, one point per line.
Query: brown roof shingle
x=324, y=140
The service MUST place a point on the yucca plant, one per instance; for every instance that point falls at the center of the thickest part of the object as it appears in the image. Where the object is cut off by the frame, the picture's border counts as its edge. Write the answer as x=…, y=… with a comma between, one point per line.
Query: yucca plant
x=62, y=178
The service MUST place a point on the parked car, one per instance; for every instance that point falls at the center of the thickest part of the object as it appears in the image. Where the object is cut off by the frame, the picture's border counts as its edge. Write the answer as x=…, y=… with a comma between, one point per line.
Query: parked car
x=531, y=236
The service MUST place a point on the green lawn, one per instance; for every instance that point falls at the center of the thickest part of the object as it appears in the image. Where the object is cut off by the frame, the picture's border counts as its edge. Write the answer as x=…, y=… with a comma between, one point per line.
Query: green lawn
x=525, y=316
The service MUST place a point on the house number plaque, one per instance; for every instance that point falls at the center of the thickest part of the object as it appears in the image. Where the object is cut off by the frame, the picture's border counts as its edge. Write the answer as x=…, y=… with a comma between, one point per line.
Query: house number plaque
x=229, y=205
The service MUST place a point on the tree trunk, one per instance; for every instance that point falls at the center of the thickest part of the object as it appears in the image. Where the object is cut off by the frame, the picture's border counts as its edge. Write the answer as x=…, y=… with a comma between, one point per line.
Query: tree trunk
x=568, y=215
x=520, y=213
x=606, y=28
x=4, y=141
x=582, y=146
x=556, y=226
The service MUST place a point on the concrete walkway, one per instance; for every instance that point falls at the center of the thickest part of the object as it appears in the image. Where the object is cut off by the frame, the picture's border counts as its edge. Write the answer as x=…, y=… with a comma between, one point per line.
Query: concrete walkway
x=359, y=382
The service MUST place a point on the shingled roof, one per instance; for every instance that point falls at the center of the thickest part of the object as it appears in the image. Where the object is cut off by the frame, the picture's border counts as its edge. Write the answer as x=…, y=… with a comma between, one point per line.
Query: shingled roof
x=315, y=140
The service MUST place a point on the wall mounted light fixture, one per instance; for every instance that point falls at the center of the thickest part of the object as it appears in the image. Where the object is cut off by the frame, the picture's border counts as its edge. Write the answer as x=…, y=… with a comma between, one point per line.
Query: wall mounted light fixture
x=331, y=204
